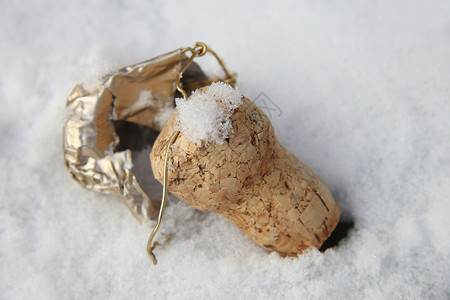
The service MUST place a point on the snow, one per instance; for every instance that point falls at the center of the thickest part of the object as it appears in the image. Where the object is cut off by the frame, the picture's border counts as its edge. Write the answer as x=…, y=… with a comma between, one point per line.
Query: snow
x=164, y=116
x=364, y=92
x=145, y=99
x=205, y=117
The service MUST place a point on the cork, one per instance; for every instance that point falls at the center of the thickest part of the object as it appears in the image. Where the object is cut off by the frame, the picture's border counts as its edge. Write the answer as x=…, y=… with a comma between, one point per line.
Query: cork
x=253, y=181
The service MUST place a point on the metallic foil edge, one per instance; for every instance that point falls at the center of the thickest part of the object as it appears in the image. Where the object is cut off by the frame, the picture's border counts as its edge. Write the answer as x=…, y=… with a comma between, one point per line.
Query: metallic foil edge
x=89, y=137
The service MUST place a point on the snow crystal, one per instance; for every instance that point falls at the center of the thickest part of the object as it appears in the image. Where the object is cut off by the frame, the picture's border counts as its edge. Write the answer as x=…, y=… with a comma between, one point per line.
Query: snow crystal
x=163, y=116
x=205, y=117
x=145, y=99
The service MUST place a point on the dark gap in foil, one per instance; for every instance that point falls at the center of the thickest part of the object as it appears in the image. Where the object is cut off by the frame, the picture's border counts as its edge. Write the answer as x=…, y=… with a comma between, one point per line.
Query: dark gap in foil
x=139, y=139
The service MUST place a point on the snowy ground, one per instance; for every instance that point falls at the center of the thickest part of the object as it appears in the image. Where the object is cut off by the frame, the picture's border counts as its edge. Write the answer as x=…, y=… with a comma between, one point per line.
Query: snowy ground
x=364, y=91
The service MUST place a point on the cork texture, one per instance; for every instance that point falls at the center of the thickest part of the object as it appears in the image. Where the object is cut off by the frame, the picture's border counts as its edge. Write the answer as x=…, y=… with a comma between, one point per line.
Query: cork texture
x=253, y=181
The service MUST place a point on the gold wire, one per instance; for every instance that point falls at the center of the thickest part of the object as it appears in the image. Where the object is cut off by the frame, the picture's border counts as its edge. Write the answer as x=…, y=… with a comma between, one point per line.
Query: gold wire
x=198, y=50
x=163, y=201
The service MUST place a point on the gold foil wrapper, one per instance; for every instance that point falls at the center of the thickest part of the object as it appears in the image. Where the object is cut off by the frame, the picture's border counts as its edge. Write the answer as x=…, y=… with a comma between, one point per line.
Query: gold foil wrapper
x=140, y=94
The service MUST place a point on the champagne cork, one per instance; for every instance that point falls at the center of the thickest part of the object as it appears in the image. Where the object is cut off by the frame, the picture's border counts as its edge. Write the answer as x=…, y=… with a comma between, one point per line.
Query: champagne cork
x=251, y=180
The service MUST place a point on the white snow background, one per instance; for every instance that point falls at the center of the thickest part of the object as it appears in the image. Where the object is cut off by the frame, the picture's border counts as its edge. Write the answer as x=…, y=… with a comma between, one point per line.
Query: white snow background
x=364, y=90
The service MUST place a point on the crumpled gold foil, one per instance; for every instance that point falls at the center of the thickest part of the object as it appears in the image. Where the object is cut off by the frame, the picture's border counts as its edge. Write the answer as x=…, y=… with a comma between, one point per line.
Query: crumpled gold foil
x=142, y=94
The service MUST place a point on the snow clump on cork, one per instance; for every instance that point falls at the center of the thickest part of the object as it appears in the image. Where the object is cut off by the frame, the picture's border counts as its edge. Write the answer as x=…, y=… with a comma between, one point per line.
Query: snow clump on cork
x=206, y=115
